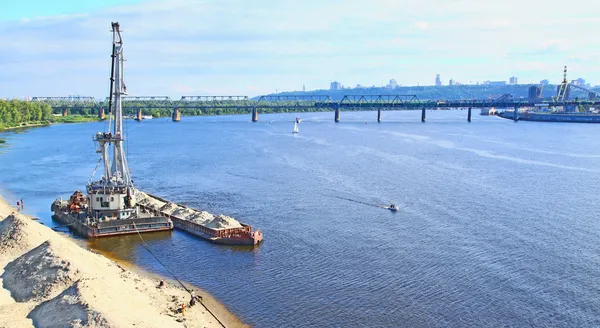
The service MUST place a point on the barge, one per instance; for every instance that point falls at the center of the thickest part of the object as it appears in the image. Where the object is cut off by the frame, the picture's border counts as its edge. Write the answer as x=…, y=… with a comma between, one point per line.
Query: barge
x=109, y=207
x=551, y=117
x=83, y=225
x=565, y=113
x=219, y=229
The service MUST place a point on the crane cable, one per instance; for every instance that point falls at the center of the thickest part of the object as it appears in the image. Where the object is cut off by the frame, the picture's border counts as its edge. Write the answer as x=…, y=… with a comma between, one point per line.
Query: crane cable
x=173, y=274
x=94, y=172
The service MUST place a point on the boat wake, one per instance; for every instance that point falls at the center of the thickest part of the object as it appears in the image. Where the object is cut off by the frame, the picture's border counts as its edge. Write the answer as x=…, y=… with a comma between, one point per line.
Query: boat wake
x=358, y=201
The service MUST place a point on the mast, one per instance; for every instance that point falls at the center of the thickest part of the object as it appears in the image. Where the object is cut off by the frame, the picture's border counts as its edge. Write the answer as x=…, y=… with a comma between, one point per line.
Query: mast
x=103, y=140
x=116, y=170
x=119, y=169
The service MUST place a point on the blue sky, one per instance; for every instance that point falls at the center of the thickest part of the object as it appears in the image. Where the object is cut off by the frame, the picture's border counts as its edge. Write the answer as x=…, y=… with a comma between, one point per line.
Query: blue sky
x=16, y=10
x=240, y=47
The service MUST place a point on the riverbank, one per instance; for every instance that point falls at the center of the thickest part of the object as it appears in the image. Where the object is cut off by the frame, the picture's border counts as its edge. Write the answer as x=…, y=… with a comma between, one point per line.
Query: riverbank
x=24, y=125
x=53, y=120
x=57, y=120
x=48, y=280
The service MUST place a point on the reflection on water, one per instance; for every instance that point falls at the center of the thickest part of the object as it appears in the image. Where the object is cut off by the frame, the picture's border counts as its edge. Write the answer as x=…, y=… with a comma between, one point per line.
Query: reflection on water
x=488, y=234
x=125, y=248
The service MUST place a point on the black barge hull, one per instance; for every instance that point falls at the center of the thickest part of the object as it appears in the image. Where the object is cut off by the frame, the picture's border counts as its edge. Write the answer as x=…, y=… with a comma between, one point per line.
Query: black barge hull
x=113, y=227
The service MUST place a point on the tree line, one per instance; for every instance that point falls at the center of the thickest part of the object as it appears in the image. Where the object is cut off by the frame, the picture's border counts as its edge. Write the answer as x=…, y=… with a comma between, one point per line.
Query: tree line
x=16, y=112
x=162, y=109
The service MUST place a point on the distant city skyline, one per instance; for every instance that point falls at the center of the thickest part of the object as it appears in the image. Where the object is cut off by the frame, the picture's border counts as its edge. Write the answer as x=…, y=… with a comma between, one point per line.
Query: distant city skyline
x=513, y=80
x=230, y=47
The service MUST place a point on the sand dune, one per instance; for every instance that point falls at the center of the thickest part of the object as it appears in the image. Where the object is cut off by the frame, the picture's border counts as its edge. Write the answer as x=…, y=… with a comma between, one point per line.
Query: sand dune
x=49, y=281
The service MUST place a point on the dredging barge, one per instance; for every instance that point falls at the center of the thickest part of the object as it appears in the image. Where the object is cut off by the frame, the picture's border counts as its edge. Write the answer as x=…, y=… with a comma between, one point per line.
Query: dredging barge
x=110, y=208
x=113, y=206
x=218, y=229
x=88, y=225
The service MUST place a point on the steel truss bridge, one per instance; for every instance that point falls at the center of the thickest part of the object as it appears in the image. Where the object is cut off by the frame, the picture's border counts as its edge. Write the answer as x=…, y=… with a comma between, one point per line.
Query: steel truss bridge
x=300, y=103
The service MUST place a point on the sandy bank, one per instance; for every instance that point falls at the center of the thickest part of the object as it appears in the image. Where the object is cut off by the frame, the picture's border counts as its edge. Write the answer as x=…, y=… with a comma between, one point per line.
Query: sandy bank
x=49, y=281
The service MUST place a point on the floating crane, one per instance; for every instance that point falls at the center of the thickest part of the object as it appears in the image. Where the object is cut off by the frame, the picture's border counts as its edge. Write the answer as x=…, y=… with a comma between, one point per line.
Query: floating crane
x=564, y=89
x=110, y=208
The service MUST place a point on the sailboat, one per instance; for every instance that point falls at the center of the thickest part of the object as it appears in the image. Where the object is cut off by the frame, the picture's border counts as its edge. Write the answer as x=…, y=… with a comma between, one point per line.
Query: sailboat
x=296, y=126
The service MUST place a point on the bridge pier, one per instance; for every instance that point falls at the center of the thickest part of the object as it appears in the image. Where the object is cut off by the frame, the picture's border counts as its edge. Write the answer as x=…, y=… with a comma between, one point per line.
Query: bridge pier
x=138, y=117
x=65, y=112
x=423, y=115
x=378, y=115
x=469, y=115
x=101, y=114
x=254, y=114
x=516, y=114
x=337, y=114
x=176, y=115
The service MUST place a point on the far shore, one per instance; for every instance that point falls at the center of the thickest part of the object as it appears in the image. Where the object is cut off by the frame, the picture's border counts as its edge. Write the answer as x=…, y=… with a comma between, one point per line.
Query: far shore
x=27, y=125
x=66, y=285
x=65, y=120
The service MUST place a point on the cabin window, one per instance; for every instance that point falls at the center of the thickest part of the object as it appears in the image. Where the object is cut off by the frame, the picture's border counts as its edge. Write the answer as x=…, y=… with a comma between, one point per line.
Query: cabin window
x=112, y=199
x=97, y=199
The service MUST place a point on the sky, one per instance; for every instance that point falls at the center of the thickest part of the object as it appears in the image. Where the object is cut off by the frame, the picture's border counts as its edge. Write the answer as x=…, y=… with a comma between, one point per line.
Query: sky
x=239, y=47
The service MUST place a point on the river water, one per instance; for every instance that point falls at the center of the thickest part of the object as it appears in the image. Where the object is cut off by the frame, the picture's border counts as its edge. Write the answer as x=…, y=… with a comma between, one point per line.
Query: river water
x=498, y=225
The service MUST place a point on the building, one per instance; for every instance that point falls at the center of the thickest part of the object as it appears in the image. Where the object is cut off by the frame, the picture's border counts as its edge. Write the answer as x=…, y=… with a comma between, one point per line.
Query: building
x=535, y=93
x=335, y=86
x=393, y=84
x=451, y=82
x=513, y=80
x=495, y=82
x=544, y=82
x=438, y=82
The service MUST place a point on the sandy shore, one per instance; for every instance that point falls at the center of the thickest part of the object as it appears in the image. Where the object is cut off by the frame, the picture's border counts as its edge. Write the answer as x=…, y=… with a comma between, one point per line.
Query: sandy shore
x=48, y=280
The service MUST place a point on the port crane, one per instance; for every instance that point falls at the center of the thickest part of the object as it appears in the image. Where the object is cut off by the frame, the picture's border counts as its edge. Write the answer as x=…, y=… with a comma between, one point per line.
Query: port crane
x=564, y=89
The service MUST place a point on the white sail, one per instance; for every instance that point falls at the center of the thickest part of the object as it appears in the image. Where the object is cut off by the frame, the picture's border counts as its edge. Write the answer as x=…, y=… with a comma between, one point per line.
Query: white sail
x=296, y=127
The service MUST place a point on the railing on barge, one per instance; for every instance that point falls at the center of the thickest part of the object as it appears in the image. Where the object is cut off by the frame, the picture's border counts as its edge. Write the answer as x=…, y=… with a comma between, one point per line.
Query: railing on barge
x=76, y=221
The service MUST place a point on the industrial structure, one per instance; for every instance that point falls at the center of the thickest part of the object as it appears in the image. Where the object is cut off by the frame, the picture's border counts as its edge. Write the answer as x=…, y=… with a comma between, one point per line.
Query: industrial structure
x=113, y=206
x=109, y=206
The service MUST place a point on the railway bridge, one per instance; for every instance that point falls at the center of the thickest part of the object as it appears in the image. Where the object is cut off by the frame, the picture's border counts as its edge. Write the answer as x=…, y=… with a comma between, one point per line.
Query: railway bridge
x=290, y=103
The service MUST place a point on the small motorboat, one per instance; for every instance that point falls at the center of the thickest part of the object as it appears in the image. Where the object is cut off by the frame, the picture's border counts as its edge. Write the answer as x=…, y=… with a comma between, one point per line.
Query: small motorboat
x=393, y=207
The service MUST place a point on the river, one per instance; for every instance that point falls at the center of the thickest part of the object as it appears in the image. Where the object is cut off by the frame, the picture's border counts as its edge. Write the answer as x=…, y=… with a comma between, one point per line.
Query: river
x=498, y=224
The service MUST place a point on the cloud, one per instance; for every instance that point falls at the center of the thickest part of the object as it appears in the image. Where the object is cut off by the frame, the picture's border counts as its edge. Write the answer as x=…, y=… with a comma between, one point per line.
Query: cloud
x=422, y=25
x=236, y=47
